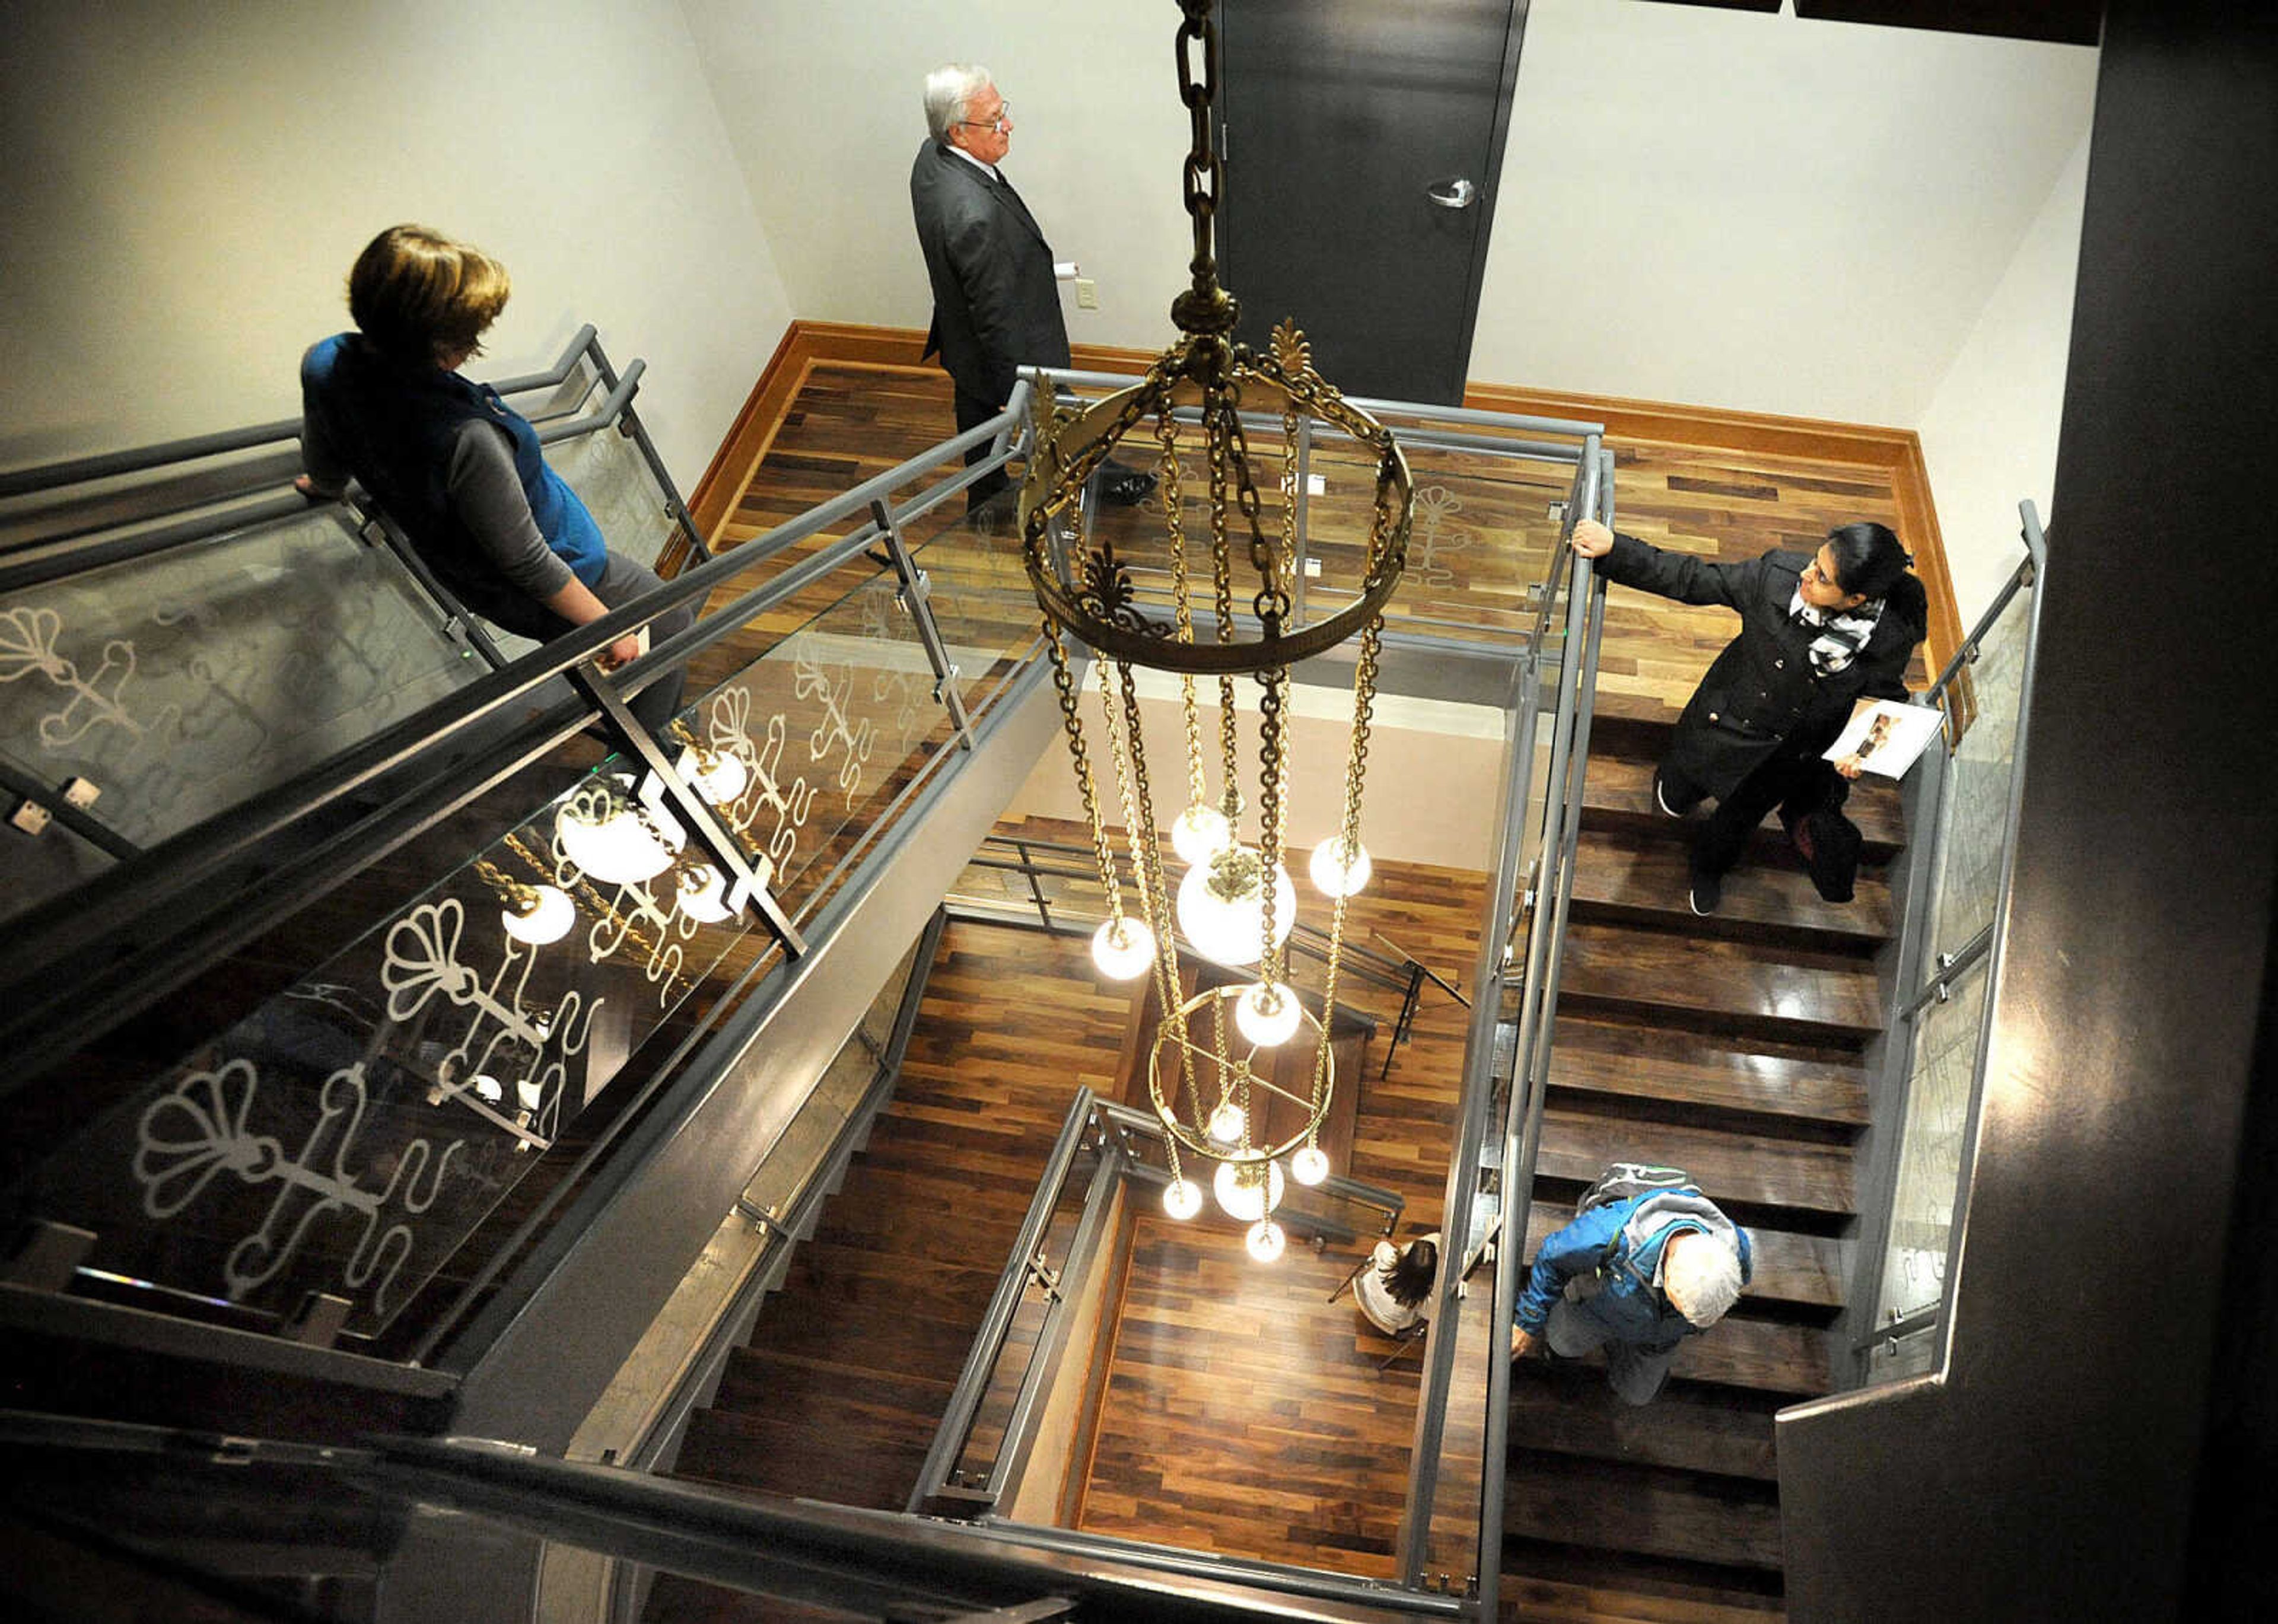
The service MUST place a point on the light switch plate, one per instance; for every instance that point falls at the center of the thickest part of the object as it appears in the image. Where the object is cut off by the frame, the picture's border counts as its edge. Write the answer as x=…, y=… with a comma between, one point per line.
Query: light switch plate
x=1316, y=486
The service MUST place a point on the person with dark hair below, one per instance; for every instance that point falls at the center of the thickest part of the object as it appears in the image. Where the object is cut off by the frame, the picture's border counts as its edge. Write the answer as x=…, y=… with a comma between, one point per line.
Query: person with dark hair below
x=995, y=299
x=1817, y=632
x=452, y=464
x=1393, y=1289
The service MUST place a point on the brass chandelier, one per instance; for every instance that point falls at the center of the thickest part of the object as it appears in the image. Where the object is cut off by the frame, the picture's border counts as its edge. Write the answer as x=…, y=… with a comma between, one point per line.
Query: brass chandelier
x=1215, y=1096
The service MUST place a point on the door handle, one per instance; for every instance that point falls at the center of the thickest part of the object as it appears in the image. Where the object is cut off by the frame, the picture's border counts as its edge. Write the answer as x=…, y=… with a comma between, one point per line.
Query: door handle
x=1453, y=194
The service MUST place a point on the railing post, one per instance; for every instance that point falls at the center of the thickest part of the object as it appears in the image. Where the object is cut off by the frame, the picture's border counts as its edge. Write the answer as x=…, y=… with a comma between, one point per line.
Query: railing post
x=916, y=598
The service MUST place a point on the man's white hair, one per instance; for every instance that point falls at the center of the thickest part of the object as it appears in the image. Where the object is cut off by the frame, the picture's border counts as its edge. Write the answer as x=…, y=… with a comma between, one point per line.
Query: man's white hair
x=1701, y=1275
x=950, y=89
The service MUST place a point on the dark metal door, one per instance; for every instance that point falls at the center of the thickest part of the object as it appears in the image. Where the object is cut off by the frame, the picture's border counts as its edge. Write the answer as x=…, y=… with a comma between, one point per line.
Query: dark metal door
x=1363, y=141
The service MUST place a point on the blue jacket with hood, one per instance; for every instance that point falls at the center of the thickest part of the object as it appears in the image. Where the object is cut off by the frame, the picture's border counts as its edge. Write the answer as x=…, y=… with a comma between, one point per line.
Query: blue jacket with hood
x=1617, y=1248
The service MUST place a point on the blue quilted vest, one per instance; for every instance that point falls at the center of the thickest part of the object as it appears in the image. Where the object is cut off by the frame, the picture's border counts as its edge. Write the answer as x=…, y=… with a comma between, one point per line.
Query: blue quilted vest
x=395, y=425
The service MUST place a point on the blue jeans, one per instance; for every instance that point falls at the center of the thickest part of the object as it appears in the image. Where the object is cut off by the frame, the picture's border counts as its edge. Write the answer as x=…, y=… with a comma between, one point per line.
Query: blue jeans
x=1573, y=1330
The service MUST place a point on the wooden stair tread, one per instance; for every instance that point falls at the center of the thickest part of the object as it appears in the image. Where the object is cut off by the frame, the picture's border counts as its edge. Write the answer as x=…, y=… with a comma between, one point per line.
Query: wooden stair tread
x=1739, y=1167
x=884, y=1339
x=1566, y=1410
x=1638, y=878
x=1725, y=1522
x=1807, y=1271
x=956, y=1292
x=1794, y=993
x=1623, y=1059
x=1612, y=1598
x=824, y=1393
x=1617, y=793
x=1762, y=1355
x=781, y=1457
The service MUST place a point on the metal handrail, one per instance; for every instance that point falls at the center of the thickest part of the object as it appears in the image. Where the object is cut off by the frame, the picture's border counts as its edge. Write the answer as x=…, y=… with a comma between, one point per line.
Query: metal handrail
x=1569, y=741
x=140, y=459
x=1986, y=946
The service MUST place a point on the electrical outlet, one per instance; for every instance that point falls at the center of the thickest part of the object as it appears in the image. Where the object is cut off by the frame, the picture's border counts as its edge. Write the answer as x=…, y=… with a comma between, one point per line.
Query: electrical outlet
x=1316, y=486
x=1087, y=294
x=1312, y=569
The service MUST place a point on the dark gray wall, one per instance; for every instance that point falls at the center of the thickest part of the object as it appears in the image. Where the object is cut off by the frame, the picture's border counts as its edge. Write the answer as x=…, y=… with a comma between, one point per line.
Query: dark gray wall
x=2053, y=1473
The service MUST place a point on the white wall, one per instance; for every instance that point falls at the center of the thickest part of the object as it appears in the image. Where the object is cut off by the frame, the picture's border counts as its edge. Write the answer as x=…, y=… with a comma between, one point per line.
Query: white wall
x=185, y=185
x=824, y=104
x=1735, y=210
x=1990, y=436
x=1761, y=212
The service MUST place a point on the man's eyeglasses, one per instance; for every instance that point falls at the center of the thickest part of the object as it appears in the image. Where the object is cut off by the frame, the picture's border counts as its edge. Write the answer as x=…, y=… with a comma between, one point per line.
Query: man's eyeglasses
x=995, y=126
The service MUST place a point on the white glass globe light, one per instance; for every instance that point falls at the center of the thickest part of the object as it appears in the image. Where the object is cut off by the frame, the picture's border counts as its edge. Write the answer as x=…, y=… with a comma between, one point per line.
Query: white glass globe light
x=489, y=1089
x=1200, y=834
x=1265, y=1240
x=1225, y=928
x=1337, y=874
x=1246, y=1193
x=1182, y=1199
x=1123, y=949
x=1310, y=1165
x=718, y=776
x=619, y=849
x=704, y=894
x=1261, y=1025
x=1225, y=1122
x=529, y=1095
x=547, y=917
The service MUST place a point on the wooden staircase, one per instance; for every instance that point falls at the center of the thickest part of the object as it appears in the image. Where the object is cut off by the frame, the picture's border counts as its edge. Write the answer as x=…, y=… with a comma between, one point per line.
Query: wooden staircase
x=849, y=1369
x=1728, y=1046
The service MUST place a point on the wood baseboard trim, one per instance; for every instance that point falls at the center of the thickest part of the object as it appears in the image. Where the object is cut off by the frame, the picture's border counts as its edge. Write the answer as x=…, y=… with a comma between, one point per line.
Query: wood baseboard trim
x=1898, y=451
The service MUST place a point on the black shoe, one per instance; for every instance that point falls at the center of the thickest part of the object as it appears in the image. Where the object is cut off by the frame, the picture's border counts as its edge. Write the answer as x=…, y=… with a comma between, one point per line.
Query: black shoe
x=1708, y=890
x=1127, y=489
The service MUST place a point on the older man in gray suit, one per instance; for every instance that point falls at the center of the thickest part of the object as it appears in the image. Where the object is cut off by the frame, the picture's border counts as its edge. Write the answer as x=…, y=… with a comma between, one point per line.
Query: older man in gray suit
x=996, y=307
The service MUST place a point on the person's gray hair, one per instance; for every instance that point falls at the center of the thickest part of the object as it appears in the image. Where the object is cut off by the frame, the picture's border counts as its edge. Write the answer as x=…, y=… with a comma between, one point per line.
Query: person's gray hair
x=950, y=88
x=1702, y=1280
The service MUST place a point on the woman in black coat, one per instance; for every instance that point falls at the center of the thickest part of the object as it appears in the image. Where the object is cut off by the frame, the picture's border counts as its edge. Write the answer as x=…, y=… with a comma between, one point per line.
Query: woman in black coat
x=1817, y=634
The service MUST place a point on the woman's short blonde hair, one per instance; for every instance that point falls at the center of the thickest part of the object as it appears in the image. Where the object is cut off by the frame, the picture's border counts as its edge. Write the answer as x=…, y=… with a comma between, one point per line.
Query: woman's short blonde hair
x=418, y=294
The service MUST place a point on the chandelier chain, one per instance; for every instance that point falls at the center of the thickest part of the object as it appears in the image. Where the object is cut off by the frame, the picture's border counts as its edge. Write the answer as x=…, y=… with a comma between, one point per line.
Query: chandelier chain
x=1146, y=849
x=1372, y=640
x=1273, y=755
x=1138, y=824
x=1222, y=582
x=1203, y=175
x=1074, y=726
x=1166, y=432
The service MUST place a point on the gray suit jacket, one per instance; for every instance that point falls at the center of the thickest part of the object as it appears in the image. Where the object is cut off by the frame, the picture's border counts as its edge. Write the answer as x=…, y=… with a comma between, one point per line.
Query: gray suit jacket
x=996, y=306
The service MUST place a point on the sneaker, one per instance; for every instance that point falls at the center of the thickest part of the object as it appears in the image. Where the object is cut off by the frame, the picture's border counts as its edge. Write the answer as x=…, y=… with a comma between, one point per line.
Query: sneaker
x=1708, y=890
x=1661, y=798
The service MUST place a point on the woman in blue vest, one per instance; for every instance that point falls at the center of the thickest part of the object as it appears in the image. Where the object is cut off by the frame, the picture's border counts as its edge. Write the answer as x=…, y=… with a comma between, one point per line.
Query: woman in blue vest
x=459, y=471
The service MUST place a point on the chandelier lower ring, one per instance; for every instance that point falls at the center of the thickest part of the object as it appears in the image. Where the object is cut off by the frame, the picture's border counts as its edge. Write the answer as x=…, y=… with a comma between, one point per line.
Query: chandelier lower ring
x=1194, y=1139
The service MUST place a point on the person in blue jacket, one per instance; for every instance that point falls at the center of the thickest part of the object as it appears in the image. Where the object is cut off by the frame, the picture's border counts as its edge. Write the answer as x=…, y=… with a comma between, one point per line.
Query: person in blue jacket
x=453, y=465
x=1634, y=1278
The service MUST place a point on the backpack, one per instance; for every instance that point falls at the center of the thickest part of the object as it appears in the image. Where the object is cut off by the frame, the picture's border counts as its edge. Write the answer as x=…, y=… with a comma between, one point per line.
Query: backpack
x=1623, y=1180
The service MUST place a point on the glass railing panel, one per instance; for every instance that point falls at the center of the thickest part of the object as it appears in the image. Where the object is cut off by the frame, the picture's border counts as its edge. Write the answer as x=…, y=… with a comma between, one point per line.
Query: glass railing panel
x=1481, y=536
x=830, y=723
x=978, y=590
x=182, y=683
x=606, y=470
x=352, y=1132
x=1975, y=818
x=1930, y=1144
